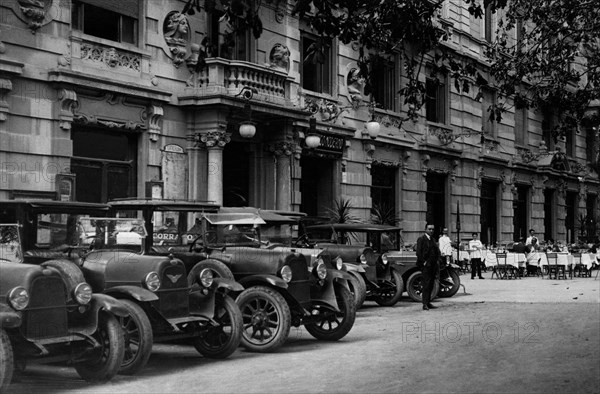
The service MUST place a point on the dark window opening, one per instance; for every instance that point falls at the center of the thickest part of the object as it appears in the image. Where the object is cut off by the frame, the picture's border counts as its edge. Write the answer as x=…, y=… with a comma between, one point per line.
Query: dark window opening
x=104, y=164
x=114, y=21
x=384, y=84
x=316, y=186
x=315, y=74
x=571, y=217
x=435, y=104
x=383, y=192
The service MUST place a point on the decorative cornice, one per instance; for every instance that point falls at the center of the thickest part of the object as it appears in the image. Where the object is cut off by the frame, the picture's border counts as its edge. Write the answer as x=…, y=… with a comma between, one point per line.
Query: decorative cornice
x=111, y=124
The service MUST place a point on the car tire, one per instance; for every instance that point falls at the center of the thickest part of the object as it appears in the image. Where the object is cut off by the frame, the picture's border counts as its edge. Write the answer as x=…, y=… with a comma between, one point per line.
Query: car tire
x=392, y=296
x=266, y=319
x=138, y=338
x=7, y=362
x=219, y=270
x=69, y=271
x=358, y=288
x=449, y=285
x=414, y=287
x=105, y=363
x=220, y=341
x=335, y=325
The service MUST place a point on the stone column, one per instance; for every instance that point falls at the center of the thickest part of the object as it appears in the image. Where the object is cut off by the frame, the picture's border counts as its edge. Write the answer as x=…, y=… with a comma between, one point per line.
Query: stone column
x=215, y=141
x=282, y=151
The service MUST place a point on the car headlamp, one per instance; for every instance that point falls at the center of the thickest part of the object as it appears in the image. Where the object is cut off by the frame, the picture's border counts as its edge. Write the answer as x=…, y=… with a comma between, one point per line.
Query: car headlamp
x=206, y=277
x=152, y=281
x=286, y=273
x=339, y=263
x=384, y=258
x=18, y=298
x=321, y=271
x=363, y=259
x=83, y=293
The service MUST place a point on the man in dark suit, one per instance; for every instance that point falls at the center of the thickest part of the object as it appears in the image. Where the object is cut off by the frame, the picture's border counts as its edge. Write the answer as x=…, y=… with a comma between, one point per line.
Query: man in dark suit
x=428, y=254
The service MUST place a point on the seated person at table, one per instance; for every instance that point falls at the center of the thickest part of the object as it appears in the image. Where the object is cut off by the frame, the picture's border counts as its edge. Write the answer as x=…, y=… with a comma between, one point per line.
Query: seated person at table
x=519, y=247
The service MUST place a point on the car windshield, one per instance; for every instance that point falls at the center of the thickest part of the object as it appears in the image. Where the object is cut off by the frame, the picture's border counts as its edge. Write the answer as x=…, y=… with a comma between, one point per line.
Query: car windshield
x=53, y=230
x=10, y=243
x=239, y=229
x=112, y=233
x=278, y=233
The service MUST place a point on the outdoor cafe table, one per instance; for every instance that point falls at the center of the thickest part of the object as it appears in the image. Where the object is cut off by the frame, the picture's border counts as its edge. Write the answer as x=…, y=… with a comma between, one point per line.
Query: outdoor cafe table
x=516, y=260
x=562, y=258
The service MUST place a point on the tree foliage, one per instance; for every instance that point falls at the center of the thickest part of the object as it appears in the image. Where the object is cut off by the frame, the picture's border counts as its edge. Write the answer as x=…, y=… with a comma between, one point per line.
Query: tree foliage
x=554, y=66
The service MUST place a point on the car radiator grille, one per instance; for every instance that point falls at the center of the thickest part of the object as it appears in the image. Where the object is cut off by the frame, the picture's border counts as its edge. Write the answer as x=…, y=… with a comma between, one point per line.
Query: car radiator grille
x=174, y=293
x=299, y=287
x=46, y=314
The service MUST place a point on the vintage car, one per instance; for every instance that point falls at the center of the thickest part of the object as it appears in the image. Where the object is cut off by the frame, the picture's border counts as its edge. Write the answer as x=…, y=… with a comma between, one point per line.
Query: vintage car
x=365, y=249
x=109, y=252
x=46, y=317
x=282, y=288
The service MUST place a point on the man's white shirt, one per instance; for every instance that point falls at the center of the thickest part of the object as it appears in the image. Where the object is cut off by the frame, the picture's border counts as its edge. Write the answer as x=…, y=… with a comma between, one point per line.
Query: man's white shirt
x=475, y=246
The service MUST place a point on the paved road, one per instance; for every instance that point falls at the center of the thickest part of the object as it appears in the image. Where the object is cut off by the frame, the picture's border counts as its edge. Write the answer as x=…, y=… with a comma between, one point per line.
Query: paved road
x=529, y=335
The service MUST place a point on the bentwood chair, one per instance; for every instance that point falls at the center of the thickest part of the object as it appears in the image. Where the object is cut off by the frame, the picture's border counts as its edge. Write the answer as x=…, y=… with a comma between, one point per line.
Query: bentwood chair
x=501, y=269
x=579, y=269
x=554, y=270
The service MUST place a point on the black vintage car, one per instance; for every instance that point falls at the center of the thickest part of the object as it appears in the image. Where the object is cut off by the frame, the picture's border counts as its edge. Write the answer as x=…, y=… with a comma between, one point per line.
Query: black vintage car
x=109, y=252
x=368, y=252
x=282, y=287
x=49, y=318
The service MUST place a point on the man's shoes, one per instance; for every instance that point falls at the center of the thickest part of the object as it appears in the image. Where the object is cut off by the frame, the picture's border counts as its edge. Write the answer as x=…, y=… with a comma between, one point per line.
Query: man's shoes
x=430, y=306
x=481, y=277
x=425, y=308
x=472, y=278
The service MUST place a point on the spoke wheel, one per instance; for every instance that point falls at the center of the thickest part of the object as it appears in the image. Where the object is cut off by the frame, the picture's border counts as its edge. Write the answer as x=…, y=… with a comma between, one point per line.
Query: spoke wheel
x=221, y=340
x=7, y=361
x=390, y=291
x=334, y=325
x=414, y=287
x=266, y=318
x=105, y=361
x=138, y=338
x=449, y=284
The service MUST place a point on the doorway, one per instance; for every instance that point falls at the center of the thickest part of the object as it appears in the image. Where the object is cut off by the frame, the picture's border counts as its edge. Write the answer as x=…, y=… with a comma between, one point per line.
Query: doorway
x=236, y=175
x=489, y=212
x=520, y=213
x=317, y=186
x=436, y=202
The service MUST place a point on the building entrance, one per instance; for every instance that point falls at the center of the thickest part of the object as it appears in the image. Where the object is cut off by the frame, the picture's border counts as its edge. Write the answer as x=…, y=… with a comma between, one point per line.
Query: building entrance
x=317, y=185
x=236, y=175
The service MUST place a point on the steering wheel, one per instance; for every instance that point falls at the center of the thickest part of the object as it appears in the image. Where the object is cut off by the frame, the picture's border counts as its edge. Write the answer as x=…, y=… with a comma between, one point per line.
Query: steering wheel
x=197, y=240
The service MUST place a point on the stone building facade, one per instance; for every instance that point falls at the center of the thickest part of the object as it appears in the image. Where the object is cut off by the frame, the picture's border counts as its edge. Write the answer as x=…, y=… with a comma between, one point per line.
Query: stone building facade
x=112, y=99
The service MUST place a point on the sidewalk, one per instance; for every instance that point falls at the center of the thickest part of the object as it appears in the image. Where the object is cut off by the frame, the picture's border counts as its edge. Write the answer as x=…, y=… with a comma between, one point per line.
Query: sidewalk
x=528, y=290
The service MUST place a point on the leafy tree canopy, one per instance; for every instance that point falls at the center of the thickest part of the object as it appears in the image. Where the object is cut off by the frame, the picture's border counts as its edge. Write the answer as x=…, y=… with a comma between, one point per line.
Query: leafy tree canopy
x=554, y=65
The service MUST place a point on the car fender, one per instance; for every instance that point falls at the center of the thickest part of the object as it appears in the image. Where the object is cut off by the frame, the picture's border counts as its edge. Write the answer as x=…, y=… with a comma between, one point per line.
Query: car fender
x=135, y=292
x=223, y=283
x=354, y=267
x=109, y=304
x=270, y=280
x=9, y=318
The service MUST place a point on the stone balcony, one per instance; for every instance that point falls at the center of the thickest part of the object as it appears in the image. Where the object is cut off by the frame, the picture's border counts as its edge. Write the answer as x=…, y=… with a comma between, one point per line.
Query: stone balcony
x=229, y=77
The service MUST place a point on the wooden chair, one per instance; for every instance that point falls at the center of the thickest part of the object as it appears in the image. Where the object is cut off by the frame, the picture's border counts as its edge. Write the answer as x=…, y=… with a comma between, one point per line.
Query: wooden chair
x=501, y=269
x=579, y=270
x=554, y=270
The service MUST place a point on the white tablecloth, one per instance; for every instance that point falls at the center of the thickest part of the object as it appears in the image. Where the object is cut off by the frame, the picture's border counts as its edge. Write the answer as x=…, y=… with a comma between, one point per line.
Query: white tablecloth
x=516, y=260
x=561, y=259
